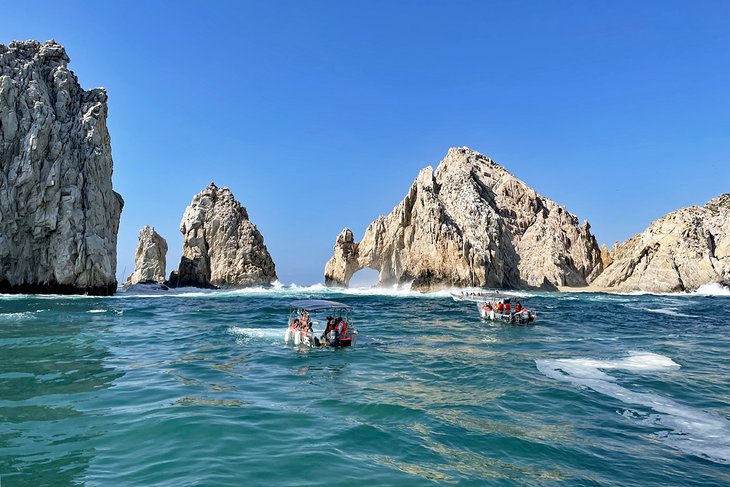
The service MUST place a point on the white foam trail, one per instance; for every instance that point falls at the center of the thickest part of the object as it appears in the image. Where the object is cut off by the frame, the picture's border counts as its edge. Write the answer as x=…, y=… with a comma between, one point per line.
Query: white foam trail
x=96, y=311
x=662, y=311
x=257, y=332
x=25, y=315
x=691, y=430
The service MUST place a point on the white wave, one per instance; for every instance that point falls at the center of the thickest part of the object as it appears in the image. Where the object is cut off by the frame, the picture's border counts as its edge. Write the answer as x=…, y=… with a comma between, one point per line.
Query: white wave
x=709, y=289
x=712, y=289
x=97, y=311
x=291, y=290
x=691, y=430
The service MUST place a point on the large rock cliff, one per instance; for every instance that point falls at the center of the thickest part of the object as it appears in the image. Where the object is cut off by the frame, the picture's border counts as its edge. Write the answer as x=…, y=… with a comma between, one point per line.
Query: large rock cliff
x=150, y=260
x=471, y=223
x=221, y=247
x=58, y=213
x=679, y=252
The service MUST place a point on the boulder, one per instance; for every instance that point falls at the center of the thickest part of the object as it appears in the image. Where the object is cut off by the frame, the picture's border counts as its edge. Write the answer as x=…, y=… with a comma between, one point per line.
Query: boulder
x=471, y=223
x=150, y=260
x=221, y=247
x=59, y=216
x=680, y=251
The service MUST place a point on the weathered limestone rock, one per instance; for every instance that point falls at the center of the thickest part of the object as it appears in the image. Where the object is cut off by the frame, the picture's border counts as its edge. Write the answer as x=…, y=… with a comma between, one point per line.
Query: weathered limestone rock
x=607, y=255
x=150, y=260
x=221, y=247
x=678, y=252
x=471, y=223
x=58, y=213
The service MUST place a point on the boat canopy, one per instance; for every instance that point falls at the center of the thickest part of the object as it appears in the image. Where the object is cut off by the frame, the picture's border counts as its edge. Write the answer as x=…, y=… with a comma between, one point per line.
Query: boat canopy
x=317, y=305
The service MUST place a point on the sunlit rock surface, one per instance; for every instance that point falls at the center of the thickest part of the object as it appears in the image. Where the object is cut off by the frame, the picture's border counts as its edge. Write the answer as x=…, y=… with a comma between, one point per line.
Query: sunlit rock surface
x=150, y=260
x=680, y=251
x=471, y=223
x=58, y=213
x=221, y=247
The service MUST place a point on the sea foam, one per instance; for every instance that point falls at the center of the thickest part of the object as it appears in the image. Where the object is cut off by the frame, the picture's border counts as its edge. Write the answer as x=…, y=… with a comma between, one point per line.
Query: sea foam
x=691, y=430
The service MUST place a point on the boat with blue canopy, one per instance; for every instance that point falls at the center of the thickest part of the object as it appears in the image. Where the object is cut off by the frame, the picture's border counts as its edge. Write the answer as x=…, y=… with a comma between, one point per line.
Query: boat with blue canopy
x=320, y=322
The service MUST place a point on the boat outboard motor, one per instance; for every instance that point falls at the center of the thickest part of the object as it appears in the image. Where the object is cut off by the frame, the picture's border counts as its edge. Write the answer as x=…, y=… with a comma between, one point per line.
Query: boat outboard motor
x=333, y=338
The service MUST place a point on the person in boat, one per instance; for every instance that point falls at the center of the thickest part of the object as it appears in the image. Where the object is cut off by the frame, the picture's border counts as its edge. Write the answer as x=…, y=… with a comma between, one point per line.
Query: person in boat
x=309, y=331
x=518, y=307
x=328, y=328
x=500, y=306
x=507, y=307
x=331, y=334
x=341, y=326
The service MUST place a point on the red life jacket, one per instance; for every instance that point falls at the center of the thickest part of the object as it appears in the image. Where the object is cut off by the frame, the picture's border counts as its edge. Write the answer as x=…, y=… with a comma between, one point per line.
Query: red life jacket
x=344, y=328
x=507, y=307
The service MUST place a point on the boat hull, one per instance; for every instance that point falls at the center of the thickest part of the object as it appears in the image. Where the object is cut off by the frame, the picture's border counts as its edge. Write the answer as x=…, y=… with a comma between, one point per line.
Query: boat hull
x=515, y=318
x=300, y=339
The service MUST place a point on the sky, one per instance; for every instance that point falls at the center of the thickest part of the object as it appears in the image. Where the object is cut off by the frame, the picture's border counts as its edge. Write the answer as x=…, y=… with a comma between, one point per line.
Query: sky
x=318, y=115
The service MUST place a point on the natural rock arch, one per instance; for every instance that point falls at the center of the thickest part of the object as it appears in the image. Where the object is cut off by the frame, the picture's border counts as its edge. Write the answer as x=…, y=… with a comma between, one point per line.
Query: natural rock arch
x=471, y=223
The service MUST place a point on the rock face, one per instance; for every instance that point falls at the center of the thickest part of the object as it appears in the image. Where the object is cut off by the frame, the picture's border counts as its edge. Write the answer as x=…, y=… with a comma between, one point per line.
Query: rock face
x=221, y=247
x=150, y=260
x=678, y=252
x=471, y=223
x=58, y=213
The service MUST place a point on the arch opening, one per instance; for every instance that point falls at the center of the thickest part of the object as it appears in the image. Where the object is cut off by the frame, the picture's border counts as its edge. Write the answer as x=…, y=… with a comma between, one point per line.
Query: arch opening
x=364, y=278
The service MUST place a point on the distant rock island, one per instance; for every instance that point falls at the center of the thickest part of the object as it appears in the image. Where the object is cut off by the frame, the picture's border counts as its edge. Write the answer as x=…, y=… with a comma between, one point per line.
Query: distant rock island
x=221, y=247
x=58, y=213
x=471, y=223
x=680, y=251
x=150, y=260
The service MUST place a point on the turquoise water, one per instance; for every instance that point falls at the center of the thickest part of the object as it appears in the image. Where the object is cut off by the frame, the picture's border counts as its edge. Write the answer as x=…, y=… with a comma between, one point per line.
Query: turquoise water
x=197, y=388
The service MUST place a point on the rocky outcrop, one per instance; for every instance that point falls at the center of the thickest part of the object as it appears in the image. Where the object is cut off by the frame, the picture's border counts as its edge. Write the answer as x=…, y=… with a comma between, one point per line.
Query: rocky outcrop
x=471, y=223
x=58, y=213
x=679, y=252
x=607, y=255
x=221, y=247
x=150, y=260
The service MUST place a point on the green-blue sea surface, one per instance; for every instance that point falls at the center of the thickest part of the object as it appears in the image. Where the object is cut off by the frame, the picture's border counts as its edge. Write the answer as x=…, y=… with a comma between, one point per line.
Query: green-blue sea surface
x=191, y=388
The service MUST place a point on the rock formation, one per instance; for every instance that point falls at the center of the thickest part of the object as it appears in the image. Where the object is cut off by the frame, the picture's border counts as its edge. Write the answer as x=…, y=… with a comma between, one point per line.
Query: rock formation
x=471, y=223
x=678, y=252
x=150, y=260
x=58, y=213
x=221, y=247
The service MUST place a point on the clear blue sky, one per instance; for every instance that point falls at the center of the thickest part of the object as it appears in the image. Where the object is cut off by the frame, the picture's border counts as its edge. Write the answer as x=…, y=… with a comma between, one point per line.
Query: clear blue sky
x=319, y=114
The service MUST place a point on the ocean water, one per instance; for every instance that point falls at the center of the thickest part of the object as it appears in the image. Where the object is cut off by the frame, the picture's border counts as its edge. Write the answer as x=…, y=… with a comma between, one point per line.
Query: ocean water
x=192, y=388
